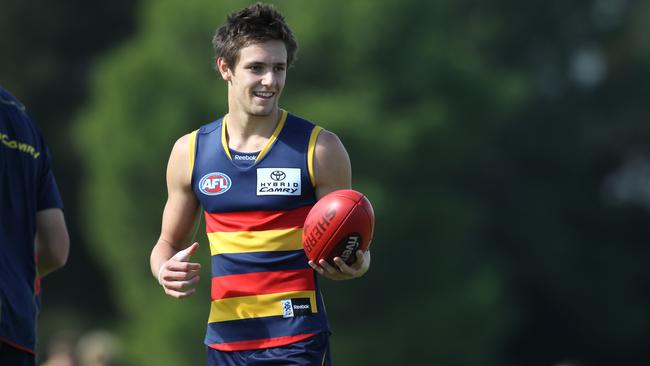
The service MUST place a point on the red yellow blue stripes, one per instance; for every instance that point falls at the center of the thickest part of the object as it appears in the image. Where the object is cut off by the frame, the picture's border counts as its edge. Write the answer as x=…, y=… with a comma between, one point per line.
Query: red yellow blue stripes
x=240, y=292
x=262, y=283
x=263, y=332
x=239, y=263
x=245, y=232
x=256, y=220
x=256, y=306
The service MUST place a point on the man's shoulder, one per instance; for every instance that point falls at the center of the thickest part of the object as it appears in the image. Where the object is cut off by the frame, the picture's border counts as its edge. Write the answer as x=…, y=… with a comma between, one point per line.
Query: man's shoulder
x=299, y=124
x=17, y=124
x=210, y=127
x=299, y=119
x=8, y=100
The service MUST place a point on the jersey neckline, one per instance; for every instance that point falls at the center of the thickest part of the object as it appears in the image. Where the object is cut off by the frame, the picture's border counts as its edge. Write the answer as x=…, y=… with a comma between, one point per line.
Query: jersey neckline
x=267, y=147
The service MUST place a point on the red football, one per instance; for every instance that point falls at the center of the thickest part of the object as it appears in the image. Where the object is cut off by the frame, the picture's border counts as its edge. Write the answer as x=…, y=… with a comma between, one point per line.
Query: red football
x=339, y=223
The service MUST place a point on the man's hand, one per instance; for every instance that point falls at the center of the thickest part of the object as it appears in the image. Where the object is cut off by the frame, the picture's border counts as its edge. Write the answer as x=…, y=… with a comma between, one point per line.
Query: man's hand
x=343, y=271
x=178, y=275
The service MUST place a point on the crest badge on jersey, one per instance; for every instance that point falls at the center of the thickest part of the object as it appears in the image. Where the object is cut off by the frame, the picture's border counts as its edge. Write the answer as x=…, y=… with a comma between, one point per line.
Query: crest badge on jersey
x=278, y=181
x=215, y=183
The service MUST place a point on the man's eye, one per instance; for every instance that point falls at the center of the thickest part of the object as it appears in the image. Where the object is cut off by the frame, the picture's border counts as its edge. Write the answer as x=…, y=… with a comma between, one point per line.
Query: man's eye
x=279, y=68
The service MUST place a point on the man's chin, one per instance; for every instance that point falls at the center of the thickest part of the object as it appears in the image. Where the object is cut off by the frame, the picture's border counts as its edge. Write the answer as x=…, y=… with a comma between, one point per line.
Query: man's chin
x=262, y=112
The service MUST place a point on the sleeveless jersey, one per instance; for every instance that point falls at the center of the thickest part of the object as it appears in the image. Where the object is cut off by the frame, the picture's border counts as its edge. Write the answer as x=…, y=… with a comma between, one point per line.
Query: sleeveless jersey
x=27, y=185
x=263, y=294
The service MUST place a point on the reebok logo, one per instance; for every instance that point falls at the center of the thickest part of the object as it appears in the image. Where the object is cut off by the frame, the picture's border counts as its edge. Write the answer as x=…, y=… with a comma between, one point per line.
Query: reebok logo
x=295, y=307
x=244, y=157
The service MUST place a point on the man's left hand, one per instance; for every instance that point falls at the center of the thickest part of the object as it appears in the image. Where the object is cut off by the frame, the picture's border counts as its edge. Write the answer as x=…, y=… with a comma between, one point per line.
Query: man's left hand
x=343, y=271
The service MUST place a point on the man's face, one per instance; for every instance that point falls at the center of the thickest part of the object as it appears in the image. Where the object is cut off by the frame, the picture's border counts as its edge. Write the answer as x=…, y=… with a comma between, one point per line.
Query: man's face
x=256, y=82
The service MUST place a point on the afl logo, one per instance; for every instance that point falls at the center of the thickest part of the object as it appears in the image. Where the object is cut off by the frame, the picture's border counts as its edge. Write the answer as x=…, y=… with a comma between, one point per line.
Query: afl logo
x=215, y=183
x=278, y=175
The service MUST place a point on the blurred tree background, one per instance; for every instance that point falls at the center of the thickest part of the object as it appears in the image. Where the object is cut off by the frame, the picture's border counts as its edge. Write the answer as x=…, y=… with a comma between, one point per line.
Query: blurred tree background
x=503, y=144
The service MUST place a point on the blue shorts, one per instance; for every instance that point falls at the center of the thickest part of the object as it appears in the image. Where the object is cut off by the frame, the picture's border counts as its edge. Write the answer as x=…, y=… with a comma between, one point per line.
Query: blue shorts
x=313, y=351
x=15, y=357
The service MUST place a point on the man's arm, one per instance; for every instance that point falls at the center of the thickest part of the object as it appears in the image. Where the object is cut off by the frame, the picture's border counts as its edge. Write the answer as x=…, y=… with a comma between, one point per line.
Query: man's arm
x=52, y=240
x=169, y=261
x=333, y=171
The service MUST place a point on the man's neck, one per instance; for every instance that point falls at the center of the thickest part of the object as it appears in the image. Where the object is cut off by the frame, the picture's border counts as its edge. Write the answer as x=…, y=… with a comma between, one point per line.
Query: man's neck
x=248, y=133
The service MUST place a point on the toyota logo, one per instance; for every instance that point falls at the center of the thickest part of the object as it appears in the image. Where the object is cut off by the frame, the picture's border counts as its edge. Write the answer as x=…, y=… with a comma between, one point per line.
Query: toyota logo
x=278, y=175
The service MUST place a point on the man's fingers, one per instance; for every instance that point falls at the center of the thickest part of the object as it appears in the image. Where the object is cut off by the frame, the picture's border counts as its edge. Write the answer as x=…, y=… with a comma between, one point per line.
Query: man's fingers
x=179, y=271
x=361, y=258
x=179, y=275
x=331, y=272
x=193, y=248
x=340, y=270
x=185, y=254
x=343, y=267
x=177, y=266
x=353, y=268
x=179, y=294
x=181, y=285
x=315, y=267
x=326, y=266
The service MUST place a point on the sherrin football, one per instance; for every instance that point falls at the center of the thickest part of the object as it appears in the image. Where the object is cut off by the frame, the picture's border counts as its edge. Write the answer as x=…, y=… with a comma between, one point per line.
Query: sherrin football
x=337, y=225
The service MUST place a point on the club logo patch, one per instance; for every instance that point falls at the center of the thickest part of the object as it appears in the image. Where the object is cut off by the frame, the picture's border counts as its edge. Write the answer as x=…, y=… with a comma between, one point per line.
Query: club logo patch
x=287, y=309
x=278, y=181
x=215, y=183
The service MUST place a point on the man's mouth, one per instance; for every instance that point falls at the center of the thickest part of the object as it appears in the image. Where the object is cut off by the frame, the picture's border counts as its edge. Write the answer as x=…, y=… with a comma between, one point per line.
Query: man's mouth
x=263, y=94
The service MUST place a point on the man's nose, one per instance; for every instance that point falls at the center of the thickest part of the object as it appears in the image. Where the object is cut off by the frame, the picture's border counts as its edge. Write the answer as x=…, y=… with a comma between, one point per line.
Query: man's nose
x=268, y=78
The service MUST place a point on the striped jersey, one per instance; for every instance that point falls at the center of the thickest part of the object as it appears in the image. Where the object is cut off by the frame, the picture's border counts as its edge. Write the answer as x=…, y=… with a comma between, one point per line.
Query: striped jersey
x=263, y=292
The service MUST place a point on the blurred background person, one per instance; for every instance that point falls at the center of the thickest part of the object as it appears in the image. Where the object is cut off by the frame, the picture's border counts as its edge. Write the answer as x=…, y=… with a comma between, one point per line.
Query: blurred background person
x=60, y=352
x=98, y=348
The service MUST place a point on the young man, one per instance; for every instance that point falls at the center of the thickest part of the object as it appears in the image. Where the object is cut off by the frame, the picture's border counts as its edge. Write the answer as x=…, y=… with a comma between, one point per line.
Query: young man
x=256, y=172
x=33, y=236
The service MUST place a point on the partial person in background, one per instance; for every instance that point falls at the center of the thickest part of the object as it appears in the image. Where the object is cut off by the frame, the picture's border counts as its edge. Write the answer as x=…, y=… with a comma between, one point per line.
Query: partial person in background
x=33, y=235
x=59, y=351
x=98, y=348
x=256, y=172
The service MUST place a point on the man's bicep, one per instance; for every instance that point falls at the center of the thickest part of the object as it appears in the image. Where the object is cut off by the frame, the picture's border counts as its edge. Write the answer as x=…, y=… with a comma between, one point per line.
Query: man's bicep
x=332, y=168
x=182, y=205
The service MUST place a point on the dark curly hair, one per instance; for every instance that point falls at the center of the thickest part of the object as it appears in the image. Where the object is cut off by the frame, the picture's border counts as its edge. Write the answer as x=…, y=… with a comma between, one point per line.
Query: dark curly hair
x=254, y=24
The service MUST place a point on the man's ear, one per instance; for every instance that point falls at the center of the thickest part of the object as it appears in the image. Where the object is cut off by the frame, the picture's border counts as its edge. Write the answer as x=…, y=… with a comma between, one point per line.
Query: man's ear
x=224, y=69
